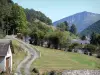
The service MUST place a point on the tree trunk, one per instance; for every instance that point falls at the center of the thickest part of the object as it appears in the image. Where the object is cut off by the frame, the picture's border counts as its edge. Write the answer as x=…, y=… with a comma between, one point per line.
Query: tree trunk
x=13, y=31
x=7, y=32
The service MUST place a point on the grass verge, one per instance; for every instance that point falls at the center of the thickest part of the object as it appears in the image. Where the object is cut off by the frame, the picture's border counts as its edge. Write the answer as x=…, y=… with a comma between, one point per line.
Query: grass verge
x=19, y=54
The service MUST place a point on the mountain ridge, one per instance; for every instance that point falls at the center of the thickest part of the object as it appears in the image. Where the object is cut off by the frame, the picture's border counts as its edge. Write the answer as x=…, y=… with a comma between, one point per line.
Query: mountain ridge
x=75, y=14
x=82, y=19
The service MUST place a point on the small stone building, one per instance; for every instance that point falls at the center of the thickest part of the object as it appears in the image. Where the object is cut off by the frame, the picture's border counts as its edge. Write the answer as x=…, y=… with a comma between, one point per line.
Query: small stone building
x=5, y=55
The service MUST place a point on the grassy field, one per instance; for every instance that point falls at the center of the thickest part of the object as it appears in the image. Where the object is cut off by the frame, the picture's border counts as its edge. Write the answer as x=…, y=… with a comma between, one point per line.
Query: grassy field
x=52, y=59
x=19, y=54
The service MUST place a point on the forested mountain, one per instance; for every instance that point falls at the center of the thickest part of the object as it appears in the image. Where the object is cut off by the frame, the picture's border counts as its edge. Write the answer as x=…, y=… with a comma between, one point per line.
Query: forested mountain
x=15, y=19
x=32, y=15
x=28, y=22
x=92, y=28
x=81, y=20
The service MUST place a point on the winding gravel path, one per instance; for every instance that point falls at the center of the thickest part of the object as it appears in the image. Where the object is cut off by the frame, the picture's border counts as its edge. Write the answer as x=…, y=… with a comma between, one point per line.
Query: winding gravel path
x=26, y=63
x=31, y=56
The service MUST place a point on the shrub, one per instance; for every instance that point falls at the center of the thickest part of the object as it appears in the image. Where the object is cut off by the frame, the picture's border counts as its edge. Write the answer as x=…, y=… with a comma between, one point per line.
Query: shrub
x=19, y=35
x=74, y=46
x=52, y=73
x=91, y=48
x=35, y=70
x=98, y=55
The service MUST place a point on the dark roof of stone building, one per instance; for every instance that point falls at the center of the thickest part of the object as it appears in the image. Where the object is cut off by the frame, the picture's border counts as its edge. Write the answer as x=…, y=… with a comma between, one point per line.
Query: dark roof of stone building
x=4, y=46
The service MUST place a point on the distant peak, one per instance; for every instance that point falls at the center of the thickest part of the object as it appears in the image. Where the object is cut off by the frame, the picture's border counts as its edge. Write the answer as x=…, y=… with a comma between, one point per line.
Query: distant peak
x=88, y=12
x=84, y=11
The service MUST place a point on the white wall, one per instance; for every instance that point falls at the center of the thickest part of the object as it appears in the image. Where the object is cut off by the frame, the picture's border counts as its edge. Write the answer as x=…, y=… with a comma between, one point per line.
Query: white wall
x=9, y=54
x=3, y=60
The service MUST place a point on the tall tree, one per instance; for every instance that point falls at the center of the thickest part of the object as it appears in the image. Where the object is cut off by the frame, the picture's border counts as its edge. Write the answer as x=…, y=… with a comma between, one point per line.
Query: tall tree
x=73, y=29
x=19, y=19
x=83, y=37
x=93, y=38
x=63, y=26
x=67, y=26
x=5, y=13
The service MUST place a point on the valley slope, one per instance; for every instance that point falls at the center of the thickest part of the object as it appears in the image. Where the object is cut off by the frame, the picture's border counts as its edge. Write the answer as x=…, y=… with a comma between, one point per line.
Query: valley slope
x=92, y=28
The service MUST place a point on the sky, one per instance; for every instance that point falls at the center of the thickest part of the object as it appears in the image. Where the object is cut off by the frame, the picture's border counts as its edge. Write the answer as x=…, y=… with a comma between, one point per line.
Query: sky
x=58, y=9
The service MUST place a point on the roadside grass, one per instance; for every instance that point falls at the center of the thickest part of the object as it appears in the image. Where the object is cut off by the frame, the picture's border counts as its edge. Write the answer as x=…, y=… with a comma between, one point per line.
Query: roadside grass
x=52, y=59
x=22, y=71
x=18, y=56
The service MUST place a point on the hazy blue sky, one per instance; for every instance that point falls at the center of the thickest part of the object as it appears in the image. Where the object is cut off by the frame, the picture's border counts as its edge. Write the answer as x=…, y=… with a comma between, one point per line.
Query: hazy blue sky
x=57, y=9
